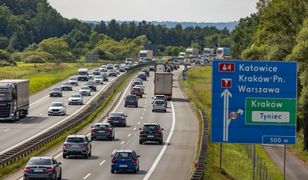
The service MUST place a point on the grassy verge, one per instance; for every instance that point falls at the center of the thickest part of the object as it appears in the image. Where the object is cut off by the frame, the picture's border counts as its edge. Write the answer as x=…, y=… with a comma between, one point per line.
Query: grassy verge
x=21, y=163
x=42, y=75
x=297, y=149
x=235, y=164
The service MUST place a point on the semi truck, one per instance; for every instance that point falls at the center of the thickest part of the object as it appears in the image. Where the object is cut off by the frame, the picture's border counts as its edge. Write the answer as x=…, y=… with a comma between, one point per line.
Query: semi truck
x=223, y=53
x=163, y=84
x=14, y=99
x=208, y=52
x=192, y=52
x=145, y=56
x=83, y=74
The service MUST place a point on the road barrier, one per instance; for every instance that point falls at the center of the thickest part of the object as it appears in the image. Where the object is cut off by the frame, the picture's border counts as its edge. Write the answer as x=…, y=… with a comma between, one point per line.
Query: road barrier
x=43, y=139
x=198, y=173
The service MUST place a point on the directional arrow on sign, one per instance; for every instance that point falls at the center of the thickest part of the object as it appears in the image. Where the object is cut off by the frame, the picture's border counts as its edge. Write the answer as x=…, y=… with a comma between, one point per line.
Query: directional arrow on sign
x=226, y=95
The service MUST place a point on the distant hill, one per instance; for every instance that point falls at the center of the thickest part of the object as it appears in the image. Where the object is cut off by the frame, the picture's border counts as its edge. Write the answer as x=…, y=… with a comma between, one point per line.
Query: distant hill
x=170, y=24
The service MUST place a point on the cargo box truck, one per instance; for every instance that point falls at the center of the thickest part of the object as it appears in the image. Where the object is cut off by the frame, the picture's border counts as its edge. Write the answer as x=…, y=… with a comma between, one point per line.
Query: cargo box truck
x=14, y=99
x=163, y=84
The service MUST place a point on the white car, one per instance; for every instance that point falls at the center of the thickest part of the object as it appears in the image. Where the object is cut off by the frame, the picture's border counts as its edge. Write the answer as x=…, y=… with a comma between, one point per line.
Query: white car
x=85, y=91
x=75, y=98
x=98, y=79
x=73, y=80
x=159, y=105
x=56, y=108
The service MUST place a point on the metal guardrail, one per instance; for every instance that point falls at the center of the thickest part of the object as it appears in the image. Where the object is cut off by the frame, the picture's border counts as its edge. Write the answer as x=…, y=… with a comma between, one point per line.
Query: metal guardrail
x=36, y=143
x=198, y=173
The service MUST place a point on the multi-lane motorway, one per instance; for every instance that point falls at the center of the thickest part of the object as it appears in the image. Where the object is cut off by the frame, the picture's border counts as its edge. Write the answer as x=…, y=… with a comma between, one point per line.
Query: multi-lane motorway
x=38, y=121
x=172, y=160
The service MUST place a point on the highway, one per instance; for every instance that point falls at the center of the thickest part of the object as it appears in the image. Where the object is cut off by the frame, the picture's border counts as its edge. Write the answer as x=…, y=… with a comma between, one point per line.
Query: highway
x=38, y=121
x=172, y=160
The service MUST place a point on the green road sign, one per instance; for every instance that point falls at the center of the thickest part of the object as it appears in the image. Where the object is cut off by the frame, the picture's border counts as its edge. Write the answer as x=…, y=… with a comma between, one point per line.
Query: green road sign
x=270, y=111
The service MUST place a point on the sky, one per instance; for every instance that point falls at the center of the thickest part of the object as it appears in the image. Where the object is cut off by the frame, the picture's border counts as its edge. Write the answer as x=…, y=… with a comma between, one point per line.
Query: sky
x=156, y=10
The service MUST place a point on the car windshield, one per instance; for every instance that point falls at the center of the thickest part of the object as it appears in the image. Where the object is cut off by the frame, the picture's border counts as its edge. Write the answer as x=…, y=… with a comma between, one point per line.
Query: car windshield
x=56, y=89
x=5, y=96
x=101, y=126
x=57, y=105
x=116, y=114
x=67, y=84
x=123, y=155
x=75, y=95
x=75, y=140
x=39, y=161
x=131, y=97
x=150, y=127
x=159, y=97
x=159, y=102
x=85, y=87
x=98, y=77
x=73, y=79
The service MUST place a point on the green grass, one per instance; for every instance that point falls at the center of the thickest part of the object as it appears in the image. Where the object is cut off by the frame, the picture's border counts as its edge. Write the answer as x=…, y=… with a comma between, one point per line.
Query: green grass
x=43, y=75
x=297, y=149
x=236, y=164
x=21, y=163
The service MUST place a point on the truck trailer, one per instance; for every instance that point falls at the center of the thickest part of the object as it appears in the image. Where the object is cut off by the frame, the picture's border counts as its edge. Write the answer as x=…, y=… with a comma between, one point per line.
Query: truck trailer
x=145, y=56
x=14, y=99
x=163, y=84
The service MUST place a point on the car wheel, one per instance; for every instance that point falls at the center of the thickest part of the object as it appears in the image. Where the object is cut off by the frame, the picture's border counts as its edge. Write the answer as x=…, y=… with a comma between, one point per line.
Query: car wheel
x=69, y=103
x=90, y=154
x=124, y=125
x=152, y=110
x=165, y=110
x=125, y=105
x=112, y=171
x=86, y=156
x=136, y=106
x=64, y=156
x=135, y=171
x=140, y=142
x=161, y=142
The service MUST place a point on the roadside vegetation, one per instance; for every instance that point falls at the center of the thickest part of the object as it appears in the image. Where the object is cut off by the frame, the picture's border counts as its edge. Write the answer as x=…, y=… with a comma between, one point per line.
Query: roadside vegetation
x=236, y=163
x=42, y=76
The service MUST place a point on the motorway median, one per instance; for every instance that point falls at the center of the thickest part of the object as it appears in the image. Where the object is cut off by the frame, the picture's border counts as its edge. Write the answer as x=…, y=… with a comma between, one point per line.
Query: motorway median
x=236, y=163
x=18, y=164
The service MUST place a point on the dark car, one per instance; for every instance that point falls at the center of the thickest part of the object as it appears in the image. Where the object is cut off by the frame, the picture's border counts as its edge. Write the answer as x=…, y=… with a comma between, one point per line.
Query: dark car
x=55, y=92
x=142, y=76
x=131, y=100
x=67, y=86
x=117, y=119
x=125, y=160
x=113, y=73
x=151, y=132
x=91, y=85
x=146, y=71
x=96, y=72
x=122, y=69
x=136, y=91
x=102, y=131
x=43, y=168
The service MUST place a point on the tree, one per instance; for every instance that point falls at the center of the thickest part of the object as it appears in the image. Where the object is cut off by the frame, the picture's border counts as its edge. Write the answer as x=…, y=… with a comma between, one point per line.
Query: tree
x=57, y=47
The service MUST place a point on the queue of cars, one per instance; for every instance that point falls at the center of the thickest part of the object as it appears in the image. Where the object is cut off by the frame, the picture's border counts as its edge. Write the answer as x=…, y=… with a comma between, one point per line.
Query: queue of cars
x=80, y=145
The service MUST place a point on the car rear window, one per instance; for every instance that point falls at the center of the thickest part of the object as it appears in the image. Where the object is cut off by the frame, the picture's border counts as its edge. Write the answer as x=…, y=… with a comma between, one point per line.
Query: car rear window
x=159, y=102
x=75, y=140
x=123, y=155
x=101, y=126
x=150, y=127
x=39, y=162
x=116, y=114
x=131, y=97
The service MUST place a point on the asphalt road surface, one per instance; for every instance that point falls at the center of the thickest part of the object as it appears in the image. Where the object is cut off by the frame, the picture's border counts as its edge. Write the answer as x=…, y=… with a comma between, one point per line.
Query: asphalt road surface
x=38, y=121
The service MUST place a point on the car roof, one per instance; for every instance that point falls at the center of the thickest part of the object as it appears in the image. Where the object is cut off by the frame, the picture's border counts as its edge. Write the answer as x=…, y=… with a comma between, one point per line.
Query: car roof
x=124, y=150
x=102, y=123
x=56, y=102
x=75, y=94
x=76, y=135
x=145, y=124
x=41, y=157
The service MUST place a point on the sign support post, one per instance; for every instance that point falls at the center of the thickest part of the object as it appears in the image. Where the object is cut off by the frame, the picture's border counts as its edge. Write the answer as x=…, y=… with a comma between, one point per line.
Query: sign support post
x=220, y=155
x=284, y=160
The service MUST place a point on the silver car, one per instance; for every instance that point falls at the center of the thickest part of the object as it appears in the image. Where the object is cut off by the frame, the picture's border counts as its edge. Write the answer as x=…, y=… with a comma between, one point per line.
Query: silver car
x=73, y=80
x=75, y=98
x=56, y=108
x=77, y=145
x=98, y=79
x=85, y=91
x=43, y=168
x=159, y=105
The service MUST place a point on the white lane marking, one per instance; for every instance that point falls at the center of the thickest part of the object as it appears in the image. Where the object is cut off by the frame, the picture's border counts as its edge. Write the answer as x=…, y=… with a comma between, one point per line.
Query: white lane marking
x=122, y=142
x=144, y=109
x=141, y=117
x=38, y=100
x=6, y=130
x=56, y=124
x=135, y=128
x=100, y=164
x=58, y=155
x=147, y=176
x=138, y=122
x=87, y=176
x=129, y=134
x=122, y=97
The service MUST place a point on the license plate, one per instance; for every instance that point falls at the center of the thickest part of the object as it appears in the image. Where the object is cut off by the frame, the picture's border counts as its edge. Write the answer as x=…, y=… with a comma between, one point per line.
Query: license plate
x=116, y=121
x=101, y=131
x=38, y=170
x=123, y=165
x=150, y=136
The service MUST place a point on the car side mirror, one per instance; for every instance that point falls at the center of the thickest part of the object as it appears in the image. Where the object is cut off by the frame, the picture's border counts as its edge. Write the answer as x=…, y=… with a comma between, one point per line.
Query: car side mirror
x=125, y=115
x=138, y=156
x=140, y=129
x=162, y=129
x=59, y=163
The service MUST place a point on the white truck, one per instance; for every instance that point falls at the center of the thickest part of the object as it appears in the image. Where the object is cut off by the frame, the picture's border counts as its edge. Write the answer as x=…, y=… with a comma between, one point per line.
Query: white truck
x=145, y=56
x=223, y=53
x=163, y=84
x=192, y=52
x=14, y=99
x=83, y=74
